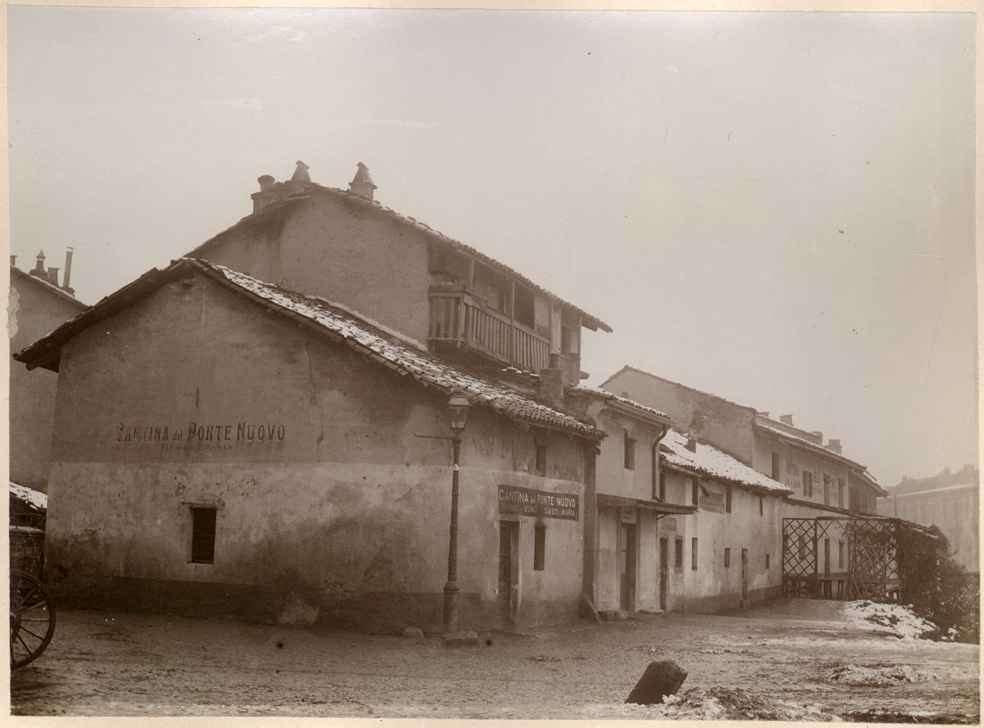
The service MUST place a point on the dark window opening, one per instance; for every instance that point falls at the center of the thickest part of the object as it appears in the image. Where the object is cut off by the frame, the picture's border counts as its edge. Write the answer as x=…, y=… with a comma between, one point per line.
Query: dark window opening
x=767, y=561
x=203, y=535
x=539, y=546
x=840, y=554
x=761, y=506
x=694, y=492
x=840, y=492
x=568, y=340
x=727, y=558
x=727, y=500
x=541, y=459
x=662, y=486
x=775, y=466
x=693, y=554
x=525, y=307
x=807, y=484
x=629, y=452
x=678, y=554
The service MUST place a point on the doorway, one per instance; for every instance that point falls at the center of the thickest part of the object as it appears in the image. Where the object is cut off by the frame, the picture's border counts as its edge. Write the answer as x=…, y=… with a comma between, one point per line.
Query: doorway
x=627, y=565
x=744, y=577
x=509, y=569
x=664, y=571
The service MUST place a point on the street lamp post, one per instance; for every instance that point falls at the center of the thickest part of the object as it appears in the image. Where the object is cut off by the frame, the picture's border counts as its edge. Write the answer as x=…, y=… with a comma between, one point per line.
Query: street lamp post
x=458, y=406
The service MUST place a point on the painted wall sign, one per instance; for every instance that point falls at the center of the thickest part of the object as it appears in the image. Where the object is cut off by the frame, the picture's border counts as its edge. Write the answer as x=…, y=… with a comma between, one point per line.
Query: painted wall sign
x=195, y=432
x=529, y=502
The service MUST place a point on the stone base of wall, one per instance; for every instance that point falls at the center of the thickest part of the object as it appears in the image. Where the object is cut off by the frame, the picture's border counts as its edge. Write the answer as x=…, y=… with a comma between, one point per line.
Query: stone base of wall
x=724, y=602
x=375, y=612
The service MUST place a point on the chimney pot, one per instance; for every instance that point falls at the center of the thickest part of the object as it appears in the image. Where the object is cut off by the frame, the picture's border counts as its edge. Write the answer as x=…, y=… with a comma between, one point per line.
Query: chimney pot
x=786, y=420
x=818, y=436
x=38, y=268
x=266, y=182
x=834, y=445
x=69, y=251
x=301, y=173
x=53, y=276
x=692, y=443
x=362, y=184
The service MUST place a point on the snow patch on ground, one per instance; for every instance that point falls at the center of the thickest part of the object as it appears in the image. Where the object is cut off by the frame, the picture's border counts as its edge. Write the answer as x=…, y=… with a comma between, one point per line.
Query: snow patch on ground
x=714, y=703
x=895, y=619
x=877, y=675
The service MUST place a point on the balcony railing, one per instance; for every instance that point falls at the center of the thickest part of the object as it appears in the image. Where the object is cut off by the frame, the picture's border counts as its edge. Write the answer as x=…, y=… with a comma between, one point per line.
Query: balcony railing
x=457, y=319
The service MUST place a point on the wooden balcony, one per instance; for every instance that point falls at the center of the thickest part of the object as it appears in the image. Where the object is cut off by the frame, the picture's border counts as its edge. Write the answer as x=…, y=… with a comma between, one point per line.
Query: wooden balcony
x=459, y=320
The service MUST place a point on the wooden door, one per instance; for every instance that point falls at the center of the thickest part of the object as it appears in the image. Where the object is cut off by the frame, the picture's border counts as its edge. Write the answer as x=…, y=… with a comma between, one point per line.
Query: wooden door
x=744, y=577
x=509, y=569
x=664, y=571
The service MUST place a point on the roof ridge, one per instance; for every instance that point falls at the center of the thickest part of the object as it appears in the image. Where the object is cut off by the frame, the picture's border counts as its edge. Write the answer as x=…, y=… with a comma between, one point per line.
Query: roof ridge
x=49, y=286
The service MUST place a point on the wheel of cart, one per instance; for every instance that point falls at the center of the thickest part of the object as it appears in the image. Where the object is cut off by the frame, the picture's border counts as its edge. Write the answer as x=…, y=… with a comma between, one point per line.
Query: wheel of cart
x=32, y=619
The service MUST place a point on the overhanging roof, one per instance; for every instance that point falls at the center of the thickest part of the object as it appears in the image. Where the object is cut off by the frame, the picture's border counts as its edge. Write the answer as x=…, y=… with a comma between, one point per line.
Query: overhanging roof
x=669, y=509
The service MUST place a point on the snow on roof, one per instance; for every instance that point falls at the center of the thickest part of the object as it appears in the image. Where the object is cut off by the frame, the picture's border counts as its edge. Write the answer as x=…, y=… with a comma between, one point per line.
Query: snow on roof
x=710, y=461
x=421, y=365
x=48, y=286
x=34, y=498
x=592, y=322
x=611, y=396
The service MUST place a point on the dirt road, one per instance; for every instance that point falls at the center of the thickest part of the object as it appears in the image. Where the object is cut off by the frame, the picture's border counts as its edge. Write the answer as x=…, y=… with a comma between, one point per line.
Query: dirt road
x=125, y=664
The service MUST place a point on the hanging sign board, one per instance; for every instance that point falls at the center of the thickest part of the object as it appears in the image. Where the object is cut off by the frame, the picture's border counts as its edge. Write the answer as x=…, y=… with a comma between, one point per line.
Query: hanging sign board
x=529, y=502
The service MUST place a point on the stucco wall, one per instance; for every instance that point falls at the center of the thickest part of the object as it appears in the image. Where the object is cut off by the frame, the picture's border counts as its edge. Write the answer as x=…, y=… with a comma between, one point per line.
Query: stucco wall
x=725, y=425
x=712, y=585
x=33, y=313
x=339, y=501
x=793, y=461
x=336, y=248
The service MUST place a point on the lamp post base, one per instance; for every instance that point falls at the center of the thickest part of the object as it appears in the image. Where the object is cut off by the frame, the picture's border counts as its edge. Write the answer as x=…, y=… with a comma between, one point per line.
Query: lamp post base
x=451, y=607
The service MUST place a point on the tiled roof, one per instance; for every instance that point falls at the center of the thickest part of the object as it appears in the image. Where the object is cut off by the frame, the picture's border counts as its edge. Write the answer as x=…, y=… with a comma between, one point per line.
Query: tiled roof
x=367, y=338
x=820, y=450
x=710, y=461
x=612, y=397
x=590, y=321
x=35, y=499
x=55, y=290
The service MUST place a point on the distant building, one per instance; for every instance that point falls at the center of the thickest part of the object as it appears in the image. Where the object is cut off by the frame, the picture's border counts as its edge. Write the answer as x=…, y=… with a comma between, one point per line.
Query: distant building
x=950, y=501
x=38, y=304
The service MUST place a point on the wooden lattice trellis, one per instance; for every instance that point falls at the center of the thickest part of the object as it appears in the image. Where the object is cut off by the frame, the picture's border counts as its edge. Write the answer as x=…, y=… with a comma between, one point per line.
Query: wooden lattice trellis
x=872, y=568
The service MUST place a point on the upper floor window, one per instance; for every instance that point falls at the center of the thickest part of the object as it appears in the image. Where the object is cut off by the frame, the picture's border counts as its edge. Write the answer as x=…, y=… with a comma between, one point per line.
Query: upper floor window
x=826, y=489
x=807, y=484
x=727, y=499
x=761, y=506
x=776, y=473
x=661, y=493
x=630, y=445
x=569, y=343
x=541, y=459
x=694, y=492
x=727, y=558
x=525, y=311
x=840, y=492
x=678, y=553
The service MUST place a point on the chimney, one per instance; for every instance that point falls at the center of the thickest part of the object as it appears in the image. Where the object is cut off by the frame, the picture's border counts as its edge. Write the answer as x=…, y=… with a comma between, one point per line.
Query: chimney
x=552, y=383
x=786, y=420
x=38, y=269
x=267, y=194
x=300, y=173
x=362, y=184
x=53, y=276
x=834, y=445
x=69, y=251
x=817, y=436
x=692, y=443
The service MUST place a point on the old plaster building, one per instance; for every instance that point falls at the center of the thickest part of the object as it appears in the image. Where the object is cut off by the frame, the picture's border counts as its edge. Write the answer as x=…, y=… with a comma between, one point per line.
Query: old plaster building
x=814, y=478
x=38, y=304
x=264, y=426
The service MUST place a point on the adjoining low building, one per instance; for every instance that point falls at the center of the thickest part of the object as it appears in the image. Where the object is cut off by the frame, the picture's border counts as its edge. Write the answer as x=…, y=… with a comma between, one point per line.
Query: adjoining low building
x=223, y=443
x=38, y=304
x=729, y=552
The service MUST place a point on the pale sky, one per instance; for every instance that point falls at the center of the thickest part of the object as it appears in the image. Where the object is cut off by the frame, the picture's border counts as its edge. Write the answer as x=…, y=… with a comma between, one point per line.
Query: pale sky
x=774, y=207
